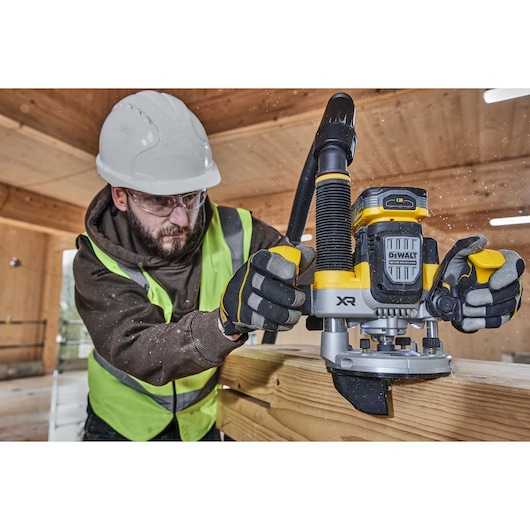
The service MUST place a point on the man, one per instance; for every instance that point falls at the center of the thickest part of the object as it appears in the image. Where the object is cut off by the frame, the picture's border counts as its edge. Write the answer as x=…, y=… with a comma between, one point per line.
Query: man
x=150, y=272
x=169, y=283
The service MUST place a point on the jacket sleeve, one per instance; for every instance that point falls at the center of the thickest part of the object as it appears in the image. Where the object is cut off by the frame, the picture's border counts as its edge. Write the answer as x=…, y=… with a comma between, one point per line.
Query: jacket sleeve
x=265, y=236
x=131, y=333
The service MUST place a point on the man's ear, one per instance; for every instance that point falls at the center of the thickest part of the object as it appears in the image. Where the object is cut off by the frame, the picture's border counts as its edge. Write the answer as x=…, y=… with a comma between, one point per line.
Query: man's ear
x=119, y=196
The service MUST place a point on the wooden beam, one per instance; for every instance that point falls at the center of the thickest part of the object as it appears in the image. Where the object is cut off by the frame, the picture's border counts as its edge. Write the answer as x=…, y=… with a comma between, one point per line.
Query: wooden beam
x=285, y=393
x=38, y=212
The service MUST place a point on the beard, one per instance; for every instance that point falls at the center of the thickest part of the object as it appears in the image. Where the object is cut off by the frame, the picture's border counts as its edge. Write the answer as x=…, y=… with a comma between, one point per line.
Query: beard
x=177, y=248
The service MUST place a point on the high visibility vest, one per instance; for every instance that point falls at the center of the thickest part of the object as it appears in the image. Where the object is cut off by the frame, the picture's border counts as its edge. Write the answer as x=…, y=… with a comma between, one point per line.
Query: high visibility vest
x=138, y=410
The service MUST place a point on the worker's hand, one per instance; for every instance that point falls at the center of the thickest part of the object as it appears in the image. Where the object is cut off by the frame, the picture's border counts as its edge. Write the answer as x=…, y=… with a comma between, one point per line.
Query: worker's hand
x=486, y=303
x=261, y=295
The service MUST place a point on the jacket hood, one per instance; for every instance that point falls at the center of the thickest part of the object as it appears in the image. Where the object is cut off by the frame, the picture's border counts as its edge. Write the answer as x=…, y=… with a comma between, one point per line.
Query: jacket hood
x=109, y=228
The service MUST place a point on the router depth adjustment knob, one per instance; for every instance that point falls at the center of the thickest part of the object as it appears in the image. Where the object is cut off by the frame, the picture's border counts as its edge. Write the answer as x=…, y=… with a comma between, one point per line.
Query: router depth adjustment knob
x=403, y=342
x=431, y=344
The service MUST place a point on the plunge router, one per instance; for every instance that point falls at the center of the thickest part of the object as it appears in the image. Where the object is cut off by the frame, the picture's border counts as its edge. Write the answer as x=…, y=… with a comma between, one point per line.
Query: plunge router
x=391, y=280
x=383, y=292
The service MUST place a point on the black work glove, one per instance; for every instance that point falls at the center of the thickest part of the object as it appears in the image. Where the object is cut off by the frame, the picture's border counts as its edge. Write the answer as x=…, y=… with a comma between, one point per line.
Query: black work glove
x=261, y=295
x=489, y=304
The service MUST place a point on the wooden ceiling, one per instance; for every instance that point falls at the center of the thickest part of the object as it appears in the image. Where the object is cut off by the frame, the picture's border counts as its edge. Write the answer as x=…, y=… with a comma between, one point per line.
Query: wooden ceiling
x=473, y=158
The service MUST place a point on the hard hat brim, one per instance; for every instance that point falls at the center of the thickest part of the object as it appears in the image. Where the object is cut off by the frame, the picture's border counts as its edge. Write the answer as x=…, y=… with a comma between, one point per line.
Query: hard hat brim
x=148, y=184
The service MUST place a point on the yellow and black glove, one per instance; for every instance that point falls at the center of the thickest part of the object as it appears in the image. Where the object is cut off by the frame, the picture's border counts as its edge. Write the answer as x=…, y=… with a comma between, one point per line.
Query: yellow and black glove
x=479, y=288
x=261, y=294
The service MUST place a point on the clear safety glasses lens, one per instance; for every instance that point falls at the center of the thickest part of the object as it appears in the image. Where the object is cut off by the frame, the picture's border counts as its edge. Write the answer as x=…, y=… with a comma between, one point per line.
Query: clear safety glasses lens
x=163, y=205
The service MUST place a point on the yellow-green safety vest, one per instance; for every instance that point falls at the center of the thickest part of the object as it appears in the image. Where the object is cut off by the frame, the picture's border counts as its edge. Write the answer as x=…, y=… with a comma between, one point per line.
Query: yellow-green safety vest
x=138, y=410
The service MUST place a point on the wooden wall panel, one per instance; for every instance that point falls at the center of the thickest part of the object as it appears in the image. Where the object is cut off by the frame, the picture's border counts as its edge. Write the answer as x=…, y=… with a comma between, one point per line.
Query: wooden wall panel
x=21, y=292
x=30, y=292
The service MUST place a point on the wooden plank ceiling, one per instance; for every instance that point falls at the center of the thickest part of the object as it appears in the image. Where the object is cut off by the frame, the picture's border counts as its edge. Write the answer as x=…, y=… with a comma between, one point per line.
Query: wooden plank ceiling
x=473, y=158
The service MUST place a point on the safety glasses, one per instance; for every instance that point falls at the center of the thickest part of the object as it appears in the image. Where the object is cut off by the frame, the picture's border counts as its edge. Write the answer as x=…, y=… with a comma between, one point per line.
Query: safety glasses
x=163, y=205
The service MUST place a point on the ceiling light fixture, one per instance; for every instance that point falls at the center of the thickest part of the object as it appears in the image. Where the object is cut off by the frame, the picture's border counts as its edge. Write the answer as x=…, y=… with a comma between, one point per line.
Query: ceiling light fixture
x=494, y=95
x=505, y=221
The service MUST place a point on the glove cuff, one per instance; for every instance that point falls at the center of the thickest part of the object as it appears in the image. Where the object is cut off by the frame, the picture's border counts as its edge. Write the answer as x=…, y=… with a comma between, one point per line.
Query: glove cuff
x=228, y=329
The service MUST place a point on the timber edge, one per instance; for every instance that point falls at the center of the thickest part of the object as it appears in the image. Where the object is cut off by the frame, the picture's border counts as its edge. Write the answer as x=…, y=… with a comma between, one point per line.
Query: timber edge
x=284, y=393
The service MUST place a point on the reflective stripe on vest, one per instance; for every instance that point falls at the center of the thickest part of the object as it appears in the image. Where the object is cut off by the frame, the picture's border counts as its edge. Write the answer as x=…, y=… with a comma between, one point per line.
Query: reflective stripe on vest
x=194, y=399
x=184, y=401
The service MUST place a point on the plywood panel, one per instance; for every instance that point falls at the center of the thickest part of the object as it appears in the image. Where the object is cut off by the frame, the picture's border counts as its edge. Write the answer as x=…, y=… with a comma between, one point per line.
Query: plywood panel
x=21, y=285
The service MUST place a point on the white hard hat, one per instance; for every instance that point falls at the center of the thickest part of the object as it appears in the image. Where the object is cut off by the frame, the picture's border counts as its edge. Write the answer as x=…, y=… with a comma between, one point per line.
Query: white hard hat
x=152, y=142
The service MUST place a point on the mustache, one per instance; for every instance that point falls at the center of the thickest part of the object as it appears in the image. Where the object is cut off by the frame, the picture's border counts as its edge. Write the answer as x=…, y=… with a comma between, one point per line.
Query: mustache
x=174, y=231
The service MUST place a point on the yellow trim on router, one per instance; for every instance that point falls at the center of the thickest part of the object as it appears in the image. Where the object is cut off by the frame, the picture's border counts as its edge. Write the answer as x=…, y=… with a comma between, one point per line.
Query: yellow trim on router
x=332, y=176
x=429, y=270
x=359, y=278
x=379, y=214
